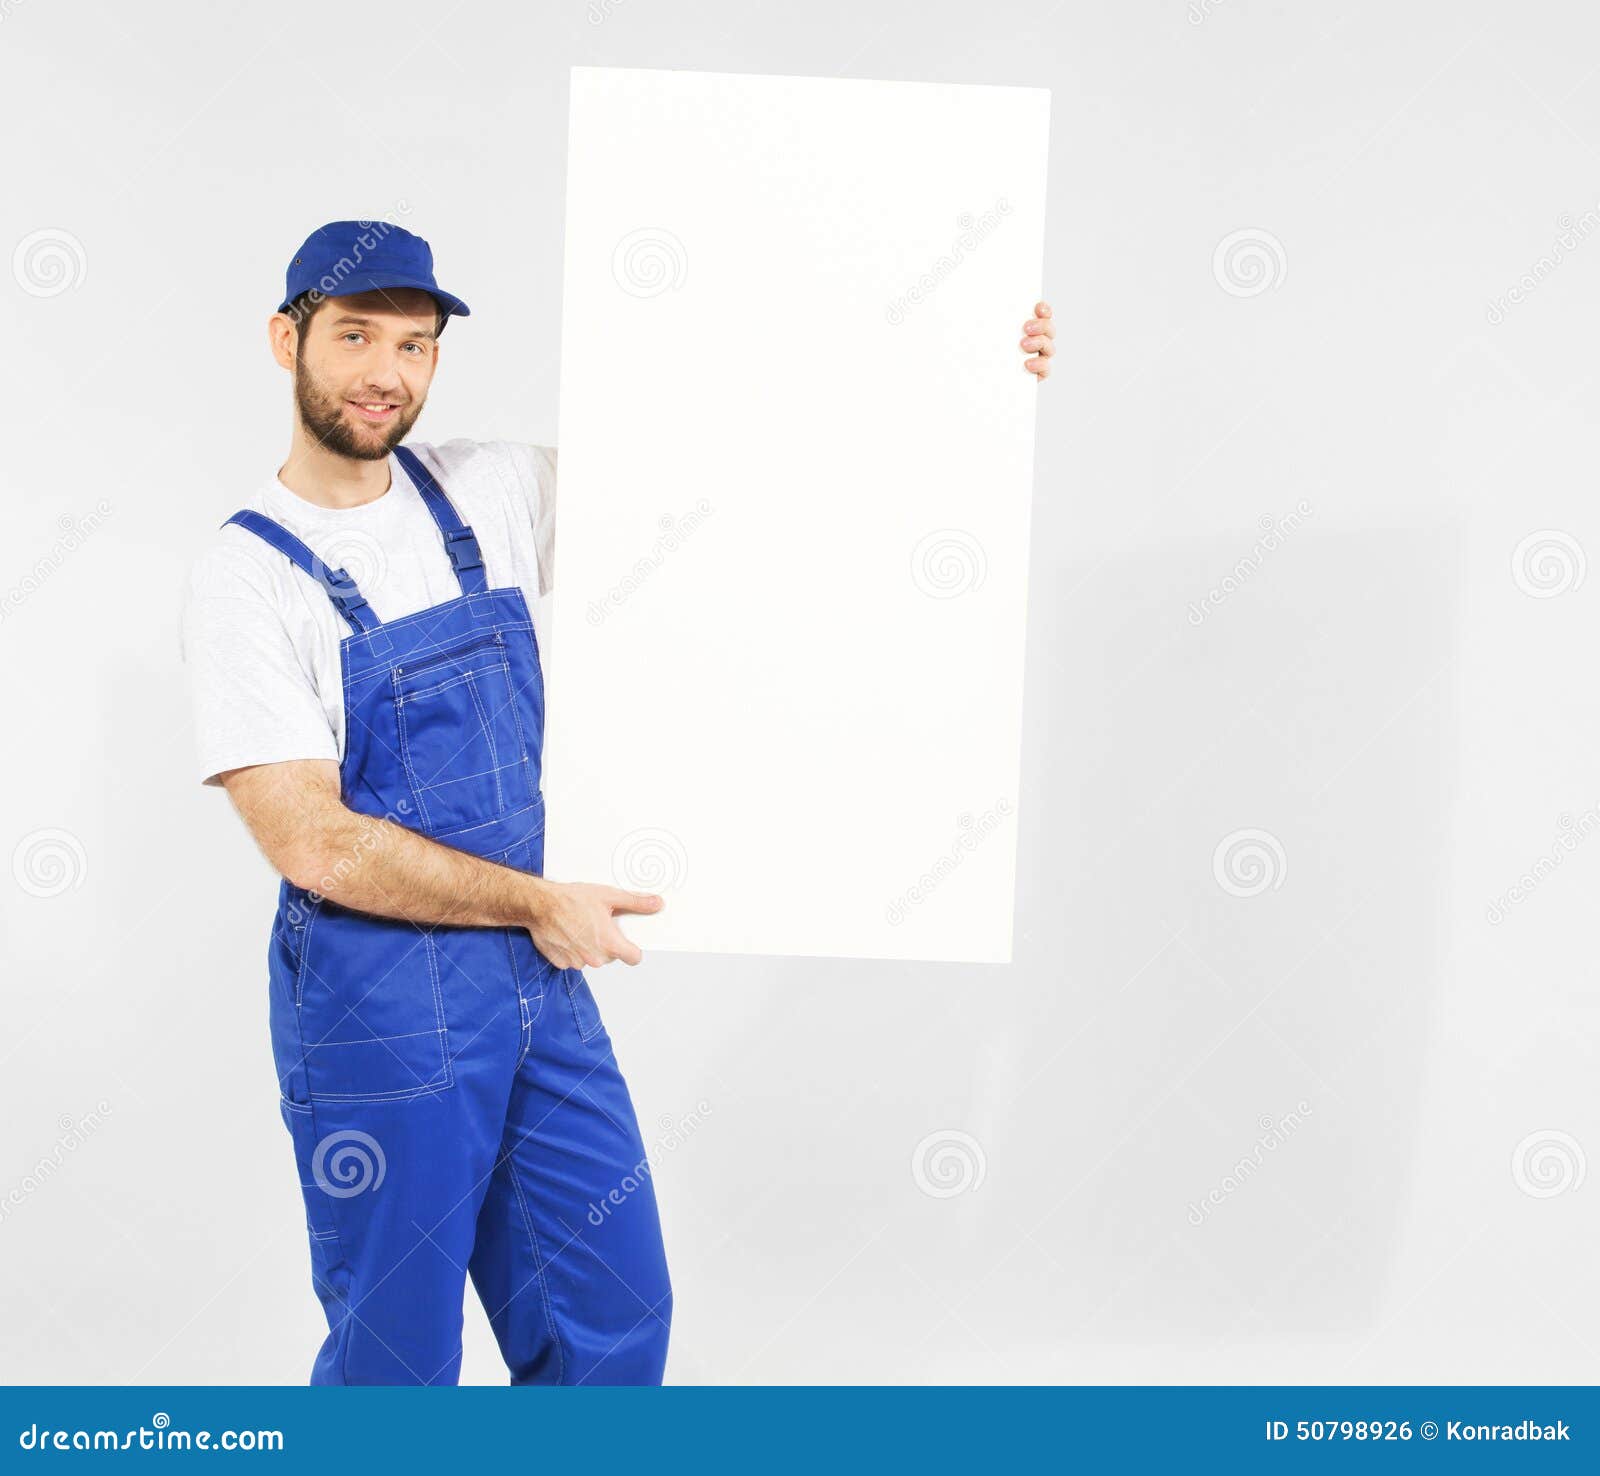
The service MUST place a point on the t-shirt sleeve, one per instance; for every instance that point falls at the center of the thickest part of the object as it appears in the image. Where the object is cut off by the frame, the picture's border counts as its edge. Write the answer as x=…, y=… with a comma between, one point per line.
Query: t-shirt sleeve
x=252, y=699
x=535, y=468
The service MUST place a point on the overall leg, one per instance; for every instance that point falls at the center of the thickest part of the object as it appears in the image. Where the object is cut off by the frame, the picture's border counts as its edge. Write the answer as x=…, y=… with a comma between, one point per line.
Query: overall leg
x=569, y=1259
x=394, y=1175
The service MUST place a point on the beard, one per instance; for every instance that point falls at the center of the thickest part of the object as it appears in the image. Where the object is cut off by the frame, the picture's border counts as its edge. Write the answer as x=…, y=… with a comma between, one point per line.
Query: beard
x=322, y=413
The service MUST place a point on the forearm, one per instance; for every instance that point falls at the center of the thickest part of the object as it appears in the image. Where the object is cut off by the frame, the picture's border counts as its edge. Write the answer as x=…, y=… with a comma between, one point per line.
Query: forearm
x=373, y=865
x=298, y=818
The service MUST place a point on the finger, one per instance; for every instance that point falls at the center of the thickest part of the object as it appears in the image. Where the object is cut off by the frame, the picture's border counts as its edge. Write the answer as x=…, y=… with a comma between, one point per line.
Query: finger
x=1039, y=366
x=1039, y=344
x=624, y=948
x=640, y=902
x=1042, y=310
x=1045, y=327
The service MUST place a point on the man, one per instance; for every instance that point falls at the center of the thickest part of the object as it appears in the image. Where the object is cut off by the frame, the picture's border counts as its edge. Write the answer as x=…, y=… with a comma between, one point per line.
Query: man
x=367, y=689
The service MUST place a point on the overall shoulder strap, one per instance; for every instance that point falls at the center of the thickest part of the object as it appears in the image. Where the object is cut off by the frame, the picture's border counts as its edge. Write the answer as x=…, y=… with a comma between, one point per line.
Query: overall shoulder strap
x=341, y=588
x=460, y=542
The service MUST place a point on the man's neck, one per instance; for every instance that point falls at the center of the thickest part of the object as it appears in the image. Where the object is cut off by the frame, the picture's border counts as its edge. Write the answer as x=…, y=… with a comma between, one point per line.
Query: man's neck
x=327, y=479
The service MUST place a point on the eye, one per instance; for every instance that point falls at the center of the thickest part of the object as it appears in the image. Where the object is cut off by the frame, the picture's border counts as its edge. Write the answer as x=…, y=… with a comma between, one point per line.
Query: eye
x=416, y=346
x=352, y=334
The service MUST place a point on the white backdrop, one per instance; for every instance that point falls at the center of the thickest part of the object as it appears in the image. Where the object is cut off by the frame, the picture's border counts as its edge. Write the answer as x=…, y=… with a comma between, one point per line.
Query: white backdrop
x=1308, y=696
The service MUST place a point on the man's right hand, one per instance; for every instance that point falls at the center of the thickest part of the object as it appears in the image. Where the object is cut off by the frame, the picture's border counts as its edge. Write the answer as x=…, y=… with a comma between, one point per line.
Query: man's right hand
x=574, y=924
x=305, y=830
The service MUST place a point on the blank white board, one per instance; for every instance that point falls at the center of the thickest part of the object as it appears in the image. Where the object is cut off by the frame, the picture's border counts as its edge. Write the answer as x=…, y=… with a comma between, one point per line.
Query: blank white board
x=796, y=449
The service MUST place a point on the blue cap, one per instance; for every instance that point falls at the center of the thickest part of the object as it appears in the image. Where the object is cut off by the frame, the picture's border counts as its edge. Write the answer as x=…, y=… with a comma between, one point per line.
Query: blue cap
x=349, y=256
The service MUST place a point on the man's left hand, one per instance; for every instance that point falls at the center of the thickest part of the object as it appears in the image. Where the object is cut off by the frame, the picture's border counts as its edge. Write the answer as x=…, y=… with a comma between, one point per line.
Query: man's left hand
x=1039, y=339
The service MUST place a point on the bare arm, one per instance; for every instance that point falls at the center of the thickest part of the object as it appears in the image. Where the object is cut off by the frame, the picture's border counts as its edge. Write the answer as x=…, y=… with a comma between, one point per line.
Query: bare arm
x=373, y=865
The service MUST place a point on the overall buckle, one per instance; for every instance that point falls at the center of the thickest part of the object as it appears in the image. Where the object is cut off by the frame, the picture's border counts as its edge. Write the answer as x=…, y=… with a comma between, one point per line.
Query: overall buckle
x=342, y=591
x=462, y=546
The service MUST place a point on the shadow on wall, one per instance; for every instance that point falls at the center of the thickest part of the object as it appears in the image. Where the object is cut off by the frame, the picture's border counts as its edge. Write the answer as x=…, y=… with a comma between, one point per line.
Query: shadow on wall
x=1187, y=1112
x=1205, y=1116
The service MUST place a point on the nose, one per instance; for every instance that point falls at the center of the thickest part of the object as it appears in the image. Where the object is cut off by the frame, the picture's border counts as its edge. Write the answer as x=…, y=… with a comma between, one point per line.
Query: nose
x=384, y=387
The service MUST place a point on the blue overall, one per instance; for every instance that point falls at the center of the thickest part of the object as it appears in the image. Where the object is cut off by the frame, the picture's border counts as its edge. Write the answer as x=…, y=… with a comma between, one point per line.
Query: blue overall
x=453, y=1099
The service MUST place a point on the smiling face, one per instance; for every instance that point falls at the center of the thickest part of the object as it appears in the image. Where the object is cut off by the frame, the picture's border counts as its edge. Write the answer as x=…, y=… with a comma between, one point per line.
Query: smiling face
x=362, y=368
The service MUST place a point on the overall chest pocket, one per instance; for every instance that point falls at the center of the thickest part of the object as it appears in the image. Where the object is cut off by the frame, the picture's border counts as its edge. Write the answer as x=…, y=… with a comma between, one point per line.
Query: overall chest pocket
x=461, y=736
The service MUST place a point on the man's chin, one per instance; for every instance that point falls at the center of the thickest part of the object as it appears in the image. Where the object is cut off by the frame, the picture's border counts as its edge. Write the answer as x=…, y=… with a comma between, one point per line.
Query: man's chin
x=369, y=448
x=362, y=441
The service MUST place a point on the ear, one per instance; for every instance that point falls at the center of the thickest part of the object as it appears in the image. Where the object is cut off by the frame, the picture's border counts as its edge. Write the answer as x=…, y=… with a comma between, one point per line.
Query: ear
x=283, y=336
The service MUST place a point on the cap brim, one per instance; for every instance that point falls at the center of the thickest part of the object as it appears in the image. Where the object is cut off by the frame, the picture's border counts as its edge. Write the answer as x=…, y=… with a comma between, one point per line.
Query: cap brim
x=349, y=286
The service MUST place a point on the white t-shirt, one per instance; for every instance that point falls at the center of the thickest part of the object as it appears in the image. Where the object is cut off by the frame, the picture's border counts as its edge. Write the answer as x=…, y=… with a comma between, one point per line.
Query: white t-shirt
x=261, y=637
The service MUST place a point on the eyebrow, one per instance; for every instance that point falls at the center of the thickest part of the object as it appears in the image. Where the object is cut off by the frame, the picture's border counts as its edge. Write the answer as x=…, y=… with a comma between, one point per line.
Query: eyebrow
x=359, y=322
